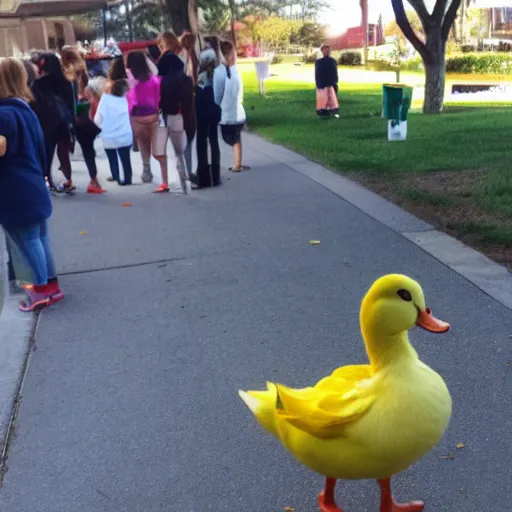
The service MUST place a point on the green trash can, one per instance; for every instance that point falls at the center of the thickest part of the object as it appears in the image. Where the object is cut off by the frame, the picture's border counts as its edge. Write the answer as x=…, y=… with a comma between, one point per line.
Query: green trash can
x=397, y=100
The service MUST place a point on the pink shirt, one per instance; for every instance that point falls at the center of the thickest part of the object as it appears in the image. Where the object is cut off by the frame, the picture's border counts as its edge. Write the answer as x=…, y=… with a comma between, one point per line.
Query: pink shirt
x=145, y=94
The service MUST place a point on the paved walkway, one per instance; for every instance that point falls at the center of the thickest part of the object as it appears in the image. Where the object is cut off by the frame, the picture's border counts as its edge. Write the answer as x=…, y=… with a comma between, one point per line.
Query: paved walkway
x=130, y=402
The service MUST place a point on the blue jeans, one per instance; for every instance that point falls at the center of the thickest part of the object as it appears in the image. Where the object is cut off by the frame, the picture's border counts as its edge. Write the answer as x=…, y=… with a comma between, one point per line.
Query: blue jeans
x=33, y=244
x=124, y=155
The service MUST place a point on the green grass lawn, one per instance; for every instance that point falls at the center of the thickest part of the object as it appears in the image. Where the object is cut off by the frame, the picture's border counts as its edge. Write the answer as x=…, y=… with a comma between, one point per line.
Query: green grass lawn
x=454, y=170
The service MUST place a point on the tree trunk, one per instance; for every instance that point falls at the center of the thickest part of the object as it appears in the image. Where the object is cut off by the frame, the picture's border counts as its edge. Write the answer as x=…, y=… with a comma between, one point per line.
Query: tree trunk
x=435, y=73
x=178, y=10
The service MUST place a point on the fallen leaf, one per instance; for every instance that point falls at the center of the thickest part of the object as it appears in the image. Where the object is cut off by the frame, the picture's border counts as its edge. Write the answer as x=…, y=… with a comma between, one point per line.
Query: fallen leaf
x=126, y=204
x=460, y=446
x=289, y=509
x=450, y=456
x=314, y=242
x=83, y=233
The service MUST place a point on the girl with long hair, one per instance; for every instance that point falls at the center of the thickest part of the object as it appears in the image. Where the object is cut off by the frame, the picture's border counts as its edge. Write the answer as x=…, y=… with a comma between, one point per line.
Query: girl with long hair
x=25, y=204
x=170, y=47
x=57, y=112
x=229, y=93
x=178, y=108
x=113, y=118
x=75, y=70
x=144, y=108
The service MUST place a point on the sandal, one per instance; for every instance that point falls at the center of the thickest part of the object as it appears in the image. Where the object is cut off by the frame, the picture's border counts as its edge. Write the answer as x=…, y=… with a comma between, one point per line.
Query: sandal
x=240, y=169
x=161, y=189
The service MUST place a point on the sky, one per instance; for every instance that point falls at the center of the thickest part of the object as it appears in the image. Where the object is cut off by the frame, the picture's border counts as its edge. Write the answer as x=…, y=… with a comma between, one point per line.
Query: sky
x=347, y=13
x=344, y=14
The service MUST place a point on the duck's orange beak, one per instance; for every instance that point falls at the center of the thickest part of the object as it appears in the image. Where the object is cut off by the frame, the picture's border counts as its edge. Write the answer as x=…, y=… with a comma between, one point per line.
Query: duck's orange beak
x=427, y=321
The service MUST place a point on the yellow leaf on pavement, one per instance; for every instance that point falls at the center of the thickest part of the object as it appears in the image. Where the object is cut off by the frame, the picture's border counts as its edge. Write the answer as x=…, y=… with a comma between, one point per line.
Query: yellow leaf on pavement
x=460, y=446
x=82, y=233
x=314, y=242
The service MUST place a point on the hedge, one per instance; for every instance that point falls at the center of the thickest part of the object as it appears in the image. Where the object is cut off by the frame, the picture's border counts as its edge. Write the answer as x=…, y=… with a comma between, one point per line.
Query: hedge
x=481, y=63
x=385, y=65
x=350, y=59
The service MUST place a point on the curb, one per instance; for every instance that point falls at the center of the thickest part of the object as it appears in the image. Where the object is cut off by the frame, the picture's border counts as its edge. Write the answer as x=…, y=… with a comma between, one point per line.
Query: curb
x=490, y=277
x=16, y=333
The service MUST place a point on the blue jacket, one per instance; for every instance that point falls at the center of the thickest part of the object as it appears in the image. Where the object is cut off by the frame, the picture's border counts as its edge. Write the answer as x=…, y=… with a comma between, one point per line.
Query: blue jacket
x=24, y=198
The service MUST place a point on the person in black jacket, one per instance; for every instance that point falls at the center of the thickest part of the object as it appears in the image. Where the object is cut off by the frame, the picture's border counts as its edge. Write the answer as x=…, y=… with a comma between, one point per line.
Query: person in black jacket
x=169, y=61
x=178, y=107
x=54, y=106
x=208, y=117
x=326, y=78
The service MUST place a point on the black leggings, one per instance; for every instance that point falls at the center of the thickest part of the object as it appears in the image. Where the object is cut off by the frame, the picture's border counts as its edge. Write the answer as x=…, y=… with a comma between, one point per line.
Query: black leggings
x=85, y=132
x=207, y=131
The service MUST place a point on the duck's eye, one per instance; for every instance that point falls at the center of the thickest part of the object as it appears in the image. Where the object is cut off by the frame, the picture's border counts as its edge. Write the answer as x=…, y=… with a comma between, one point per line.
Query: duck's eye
x=405, y=295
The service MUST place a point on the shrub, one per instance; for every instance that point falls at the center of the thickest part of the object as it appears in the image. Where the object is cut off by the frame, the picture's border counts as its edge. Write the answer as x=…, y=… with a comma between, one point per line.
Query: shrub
x=415, y=64
x=481, y=64
x=277, y=59
x=350, y=59
x=503, y=46
x=468, y=48
x=310, y=58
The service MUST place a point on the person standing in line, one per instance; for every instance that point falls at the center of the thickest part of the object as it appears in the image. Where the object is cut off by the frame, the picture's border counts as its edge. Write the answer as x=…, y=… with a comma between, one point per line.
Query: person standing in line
x=113, y=118
x=58, y=102
x=178, y=109
x=326, y=79
x=208, y=116
x=117, y=72
x=144, y=108
x=229, y=93
x=188, y=42
x=86, y=131
x=25, y=203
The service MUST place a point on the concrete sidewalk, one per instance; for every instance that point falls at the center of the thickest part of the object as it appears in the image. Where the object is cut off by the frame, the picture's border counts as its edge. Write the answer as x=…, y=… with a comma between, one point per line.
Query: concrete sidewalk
x=174, y=303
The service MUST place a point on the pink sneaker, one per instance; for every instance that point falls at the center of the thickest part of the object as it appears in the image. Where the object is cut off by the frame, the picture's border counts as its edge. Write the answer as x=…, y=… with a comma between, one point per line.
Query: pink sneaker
x=40, y=297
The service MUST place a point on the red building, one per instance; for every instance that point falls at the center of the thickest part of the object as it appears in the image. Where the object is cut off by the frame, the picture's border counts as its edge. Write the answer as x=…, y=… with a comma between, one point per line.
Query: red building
x=353, y=38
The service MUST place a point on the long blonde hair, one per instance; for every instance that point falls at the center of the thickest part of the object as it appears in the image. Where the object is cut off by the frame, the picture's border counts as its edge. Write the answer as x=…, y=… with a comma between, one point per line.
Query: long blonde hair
x=73, y=64
x=169, y=42
x=13, y=80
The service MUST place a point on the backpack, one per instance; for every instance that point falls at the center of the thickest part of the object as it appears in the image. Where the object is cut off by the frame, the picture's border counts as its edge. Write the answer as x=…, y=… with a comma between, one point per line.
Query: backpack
x=53, y=113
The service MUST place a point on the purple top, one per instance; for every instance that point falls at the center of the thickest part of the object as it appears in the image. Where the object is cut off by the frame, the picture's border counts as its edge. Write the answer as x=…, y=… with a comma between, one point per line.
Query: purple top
x=144, y=97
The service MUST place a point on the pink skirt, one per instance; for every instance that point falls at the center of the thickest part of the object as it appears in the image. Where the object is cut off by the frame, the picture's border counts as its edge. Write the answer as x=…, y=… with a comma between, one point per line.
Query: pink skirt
x=327, y=101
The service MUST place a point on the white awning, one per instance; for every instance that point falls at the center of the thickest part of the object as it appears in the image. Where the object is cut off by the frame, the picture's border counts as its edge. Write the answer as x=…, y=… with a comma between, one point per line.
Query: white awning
x=32, y=8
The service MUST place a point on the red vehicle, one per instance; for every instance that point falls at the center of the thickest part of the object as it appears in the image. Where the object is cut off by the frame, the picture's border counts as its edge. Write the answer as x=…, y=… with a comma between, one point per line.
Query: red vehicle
x=97, y=63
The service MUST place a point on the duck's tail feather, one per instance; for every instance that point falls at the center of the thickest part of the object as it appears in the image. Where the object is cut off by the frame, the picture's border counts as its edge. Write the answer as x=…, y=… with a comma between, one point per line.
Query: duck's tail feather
x=263, y=405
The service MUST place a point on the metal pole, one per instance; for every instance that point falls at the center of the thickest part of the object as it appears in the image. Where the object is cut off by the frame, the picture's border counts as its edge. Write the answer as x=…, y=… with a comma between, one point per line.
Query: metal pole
x=463, y=22
x=105, y=31
x=128, y=6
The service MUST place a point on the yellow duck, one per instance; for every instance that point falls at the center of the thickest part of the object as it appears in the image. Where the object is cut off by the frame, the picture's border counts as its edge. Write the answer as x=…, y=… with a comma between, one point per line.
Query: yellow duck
x=368, y=421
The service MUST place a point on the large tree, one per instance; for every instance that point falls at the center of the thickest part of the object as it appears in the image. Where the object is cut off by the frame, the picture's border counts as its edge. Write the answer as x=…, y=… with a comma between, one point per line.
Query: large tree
x=436, y=29
x=183, y=15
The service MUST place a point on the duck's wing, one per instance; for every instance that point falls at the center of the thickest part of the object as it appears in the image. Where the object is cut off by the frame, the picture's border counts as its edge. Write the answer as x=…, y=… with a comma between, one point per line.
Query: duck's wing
x=335, y=402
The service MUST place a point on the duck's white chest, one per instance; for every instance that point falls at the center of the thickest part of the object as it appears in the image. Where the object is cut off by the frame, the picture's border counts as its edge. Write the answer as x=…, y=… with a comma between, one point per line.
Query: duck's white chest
x=410, y=416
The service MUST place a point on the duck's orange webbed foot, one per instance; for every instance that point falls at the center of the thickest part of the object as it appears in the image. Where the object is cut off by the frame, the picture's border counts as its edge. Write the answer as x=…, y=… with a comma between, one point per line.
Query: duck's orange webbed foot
x=387, y=503
x=326, y=497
